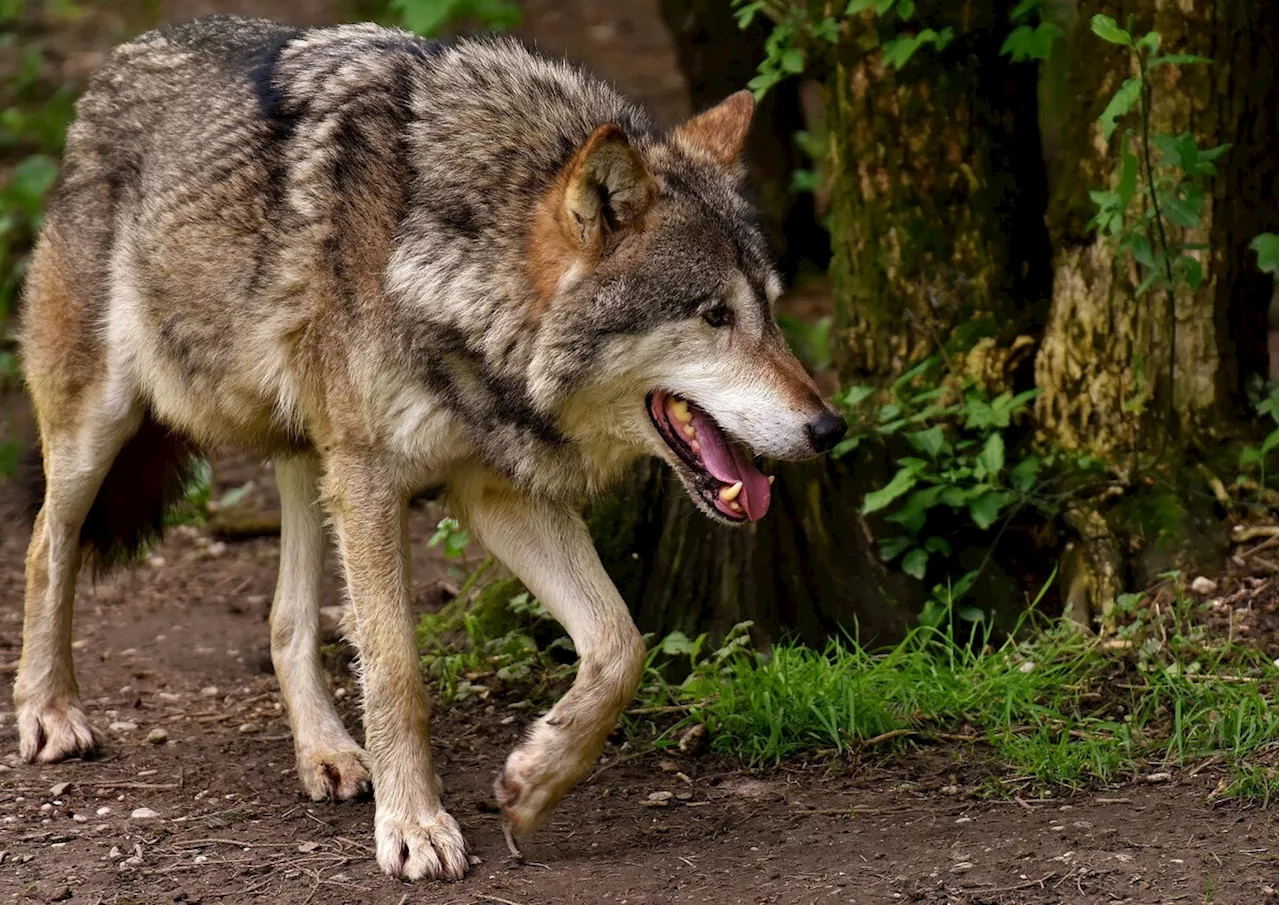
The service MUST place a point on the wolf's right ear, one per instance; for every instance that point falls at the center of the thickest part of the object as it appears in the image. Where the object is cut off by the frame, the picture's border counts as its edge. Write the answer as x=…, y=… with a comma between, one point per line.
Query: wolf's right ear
x=607, y=188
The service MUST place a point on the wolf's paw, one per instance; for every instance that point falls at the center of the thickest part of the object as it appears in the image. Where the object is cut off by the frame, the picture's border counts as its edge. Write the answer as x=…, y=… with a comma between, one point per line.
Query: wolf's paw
x=54, y=731
x=538, y=774
x=430, y=846
x=339, y=774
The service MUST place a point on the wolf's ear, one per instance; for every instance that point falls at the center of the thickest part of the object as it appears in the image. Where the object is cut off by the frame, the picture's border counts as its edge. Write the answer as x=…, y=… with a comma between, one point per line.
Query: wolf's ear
x=607, y=188
x=718, y=134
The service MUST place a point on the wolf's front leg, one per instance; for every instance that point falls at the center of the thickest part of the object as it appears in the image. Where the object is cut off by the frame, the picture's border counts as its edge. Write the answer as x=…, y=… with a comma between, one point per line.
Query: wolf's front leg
x=547, y=545
x=414, y=835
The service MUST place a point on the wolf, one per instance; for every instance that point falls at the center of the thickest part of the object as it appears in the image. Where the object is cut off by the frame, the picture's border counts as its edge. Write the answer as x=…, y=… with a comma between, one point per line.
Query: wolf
x=387, y=263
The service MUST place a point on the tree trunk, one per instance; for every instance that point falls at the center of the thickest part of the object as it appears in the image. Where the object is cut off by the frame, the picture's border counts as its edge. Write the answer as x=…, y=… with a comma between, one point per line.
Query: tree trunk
x=938, y=192
x=938, y=199
x=1119, y=374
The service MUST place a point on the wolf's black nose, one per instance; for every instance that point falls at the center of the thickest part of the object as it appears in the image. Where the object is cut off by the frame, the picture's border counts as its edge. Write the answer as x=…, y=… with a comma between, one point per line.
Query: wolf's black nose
x=826, y=430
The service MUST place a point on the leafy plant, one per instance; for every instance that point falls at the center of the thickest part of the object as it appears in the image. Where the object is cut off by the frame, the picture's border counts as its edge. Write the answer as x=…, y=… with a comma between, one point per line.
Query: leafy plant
x=1159, y=191
x=1260, y=456
x=802, y=35
x=1030, y=41
x=958, y=460
x=1267, y=247
x=430, y=17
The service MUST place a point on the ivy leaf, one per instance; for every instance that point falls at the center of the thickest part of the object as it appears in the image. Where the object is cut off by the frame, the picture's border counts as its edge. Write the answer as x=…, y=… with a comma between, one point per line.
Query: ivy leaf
x=992, y=455
x=891, y=547
x=876, y=500
x=1120, y=104
x=915, y=562
x=930, y=442
x=1267, y=247
x=1105, y=28
x=1176, y=59
x=986, y=509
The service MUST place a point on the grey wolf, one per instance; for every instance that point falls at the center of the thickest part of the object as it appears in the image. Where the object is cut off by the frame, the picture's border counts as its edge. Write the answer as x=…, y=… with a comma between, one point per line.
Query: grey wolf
x=387, y=263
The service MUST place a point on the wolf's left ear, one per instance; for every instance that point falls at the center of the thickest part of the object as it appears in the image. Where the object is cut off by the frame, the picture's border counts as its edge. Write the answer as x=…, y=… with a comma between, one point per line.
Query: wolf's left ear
x=718, y=134
x=608, y=188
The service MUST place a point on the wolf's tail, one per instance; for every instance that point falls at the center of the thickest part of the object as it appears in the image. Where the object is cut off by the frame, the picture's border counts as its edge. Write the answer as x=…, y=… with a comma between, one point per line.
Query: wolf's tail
x=149, y=475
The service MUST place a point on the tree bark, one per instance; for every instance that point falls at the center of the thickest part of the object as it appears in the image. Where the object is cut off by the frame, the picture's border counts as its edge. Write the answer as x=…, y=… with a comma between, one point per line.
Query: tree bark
x=938, y=192
x=1119, y=375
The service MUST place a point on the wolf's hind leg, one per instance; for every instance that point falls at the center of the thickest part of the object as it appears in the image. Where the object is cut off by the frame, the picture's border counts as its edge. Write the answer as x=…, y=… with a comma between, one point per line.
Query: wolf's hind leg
x=77, y=456
x=330, y=764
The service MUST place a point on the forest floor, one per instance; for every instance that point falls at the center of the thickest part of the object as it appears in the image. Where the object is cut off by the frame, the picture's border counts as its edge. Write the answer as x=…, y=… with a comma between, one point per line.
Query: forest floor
x=180, y=645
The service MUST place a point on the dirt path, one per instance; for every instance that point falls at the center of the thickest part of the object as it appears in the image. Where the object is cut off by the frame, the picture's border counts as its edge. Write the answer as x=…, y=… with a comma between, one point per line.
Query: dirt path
x=180, y=645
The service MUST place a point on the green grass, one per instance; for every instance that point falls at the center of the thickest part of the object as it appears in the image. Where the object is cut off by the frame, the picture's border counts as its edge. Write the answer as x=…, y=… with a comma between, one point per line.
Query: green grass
x=1058, y=706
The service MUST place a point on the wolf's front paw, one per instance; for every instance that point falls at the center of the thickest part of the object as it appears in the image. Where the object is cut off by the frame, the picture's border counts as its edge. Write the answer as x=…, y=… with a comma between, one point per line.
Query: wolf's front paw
x=430, y=846
x=539, y=773
x=53, y=731
x=334, y=774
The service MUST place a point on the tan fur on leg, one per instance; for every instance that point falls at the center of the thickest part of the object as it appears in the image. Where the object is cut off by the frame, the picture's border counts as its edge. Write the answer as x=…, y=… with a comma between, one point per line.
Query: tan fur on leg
x=414, y=835
x=330, y=764
x=51, y=724
x=548, y=547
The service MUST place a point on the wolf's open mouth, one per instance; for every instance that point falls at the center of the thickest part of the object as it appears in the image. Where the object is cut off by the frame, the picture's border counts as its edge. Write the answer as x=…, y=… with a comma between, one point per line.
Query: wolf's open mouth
x=724, y=474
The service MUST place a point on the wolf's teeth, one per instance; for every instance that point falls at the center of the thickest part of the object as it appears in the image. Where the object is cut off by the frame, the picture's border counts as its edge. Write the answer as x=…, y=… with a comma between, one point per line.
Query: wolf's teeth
x=771, y=477
x=730, y=493
x=696, y=447
x=680, y=409
x=736, y=507
x=690, y=431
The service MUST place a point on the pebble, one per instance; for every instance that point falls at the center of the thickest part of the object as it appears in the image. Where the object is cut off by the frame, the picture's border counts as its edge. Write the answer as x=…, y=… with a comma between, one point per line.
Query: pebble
x=103, y=811
x=115, y=854
x=143, y=814
x=157, y=736
x=209, y=691
x=169, y=696
x=79, y=818
x=247, y=728
x=305, y=848
x=58, y=788
x=122, y=726
x=62, y=896
x=661, y=796
x=1204, y=586
x=962, y=866
x=964, y=820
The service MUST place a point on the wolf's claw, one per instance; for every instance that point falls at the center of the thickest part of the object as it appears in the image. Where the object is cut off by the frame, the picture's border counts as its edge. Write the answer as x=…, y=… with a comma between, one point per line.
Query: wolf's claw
x=57, y=730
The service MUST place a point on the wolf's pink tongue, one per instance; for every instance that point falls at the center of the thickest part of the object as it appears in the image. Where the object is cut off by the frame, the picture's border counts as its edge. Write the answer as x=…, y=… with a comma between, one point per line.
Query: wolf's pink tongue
x=726, y=463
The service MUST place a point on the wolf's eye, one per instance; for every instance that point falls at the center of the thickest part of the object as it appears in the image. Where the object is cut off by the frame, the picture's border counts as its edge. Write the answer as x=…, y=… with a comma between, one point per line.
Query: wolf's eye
x=718, y=316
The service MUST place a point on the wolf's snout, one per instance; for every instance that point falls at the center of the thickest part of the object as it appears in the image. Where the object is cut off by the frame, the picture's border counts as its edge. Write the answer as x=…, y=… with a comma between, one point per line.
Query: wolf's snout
x=826, y=430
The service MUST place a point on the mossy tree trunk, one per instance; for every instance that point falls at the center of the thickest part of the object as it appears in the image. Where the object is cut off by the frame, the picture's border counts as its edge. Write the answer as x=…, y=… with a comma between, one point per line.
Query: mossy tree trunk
x=938, y=192
x=938, y=198
x=1122, y=379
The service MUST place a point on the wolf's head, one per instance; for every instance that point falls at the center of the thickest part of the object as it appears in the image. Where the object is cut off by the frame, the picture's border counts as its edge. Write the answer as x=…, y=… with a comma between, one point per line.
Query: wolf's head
x=649, y=264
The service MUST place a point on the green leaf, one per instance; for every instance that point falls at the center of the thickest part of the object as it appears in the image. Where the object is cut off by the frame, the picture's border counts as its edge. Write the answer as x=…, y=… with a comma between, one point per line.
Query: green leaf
x=905, y=9
x=891, y=547
x=793, y=60
x=930, y=442
x=970, y=613
x=1150, y=42
x=876, y=500
x=913, y=513
x=986, y=509
x=1023, y=8
x=1027, y=43
x=827, y=30
x=992, y=455
x=1176, y=59
x=1181, y=212
x=938, y=545
x=1105, y=28
x=746, y=14
x=845, y=446
x=1141, y=249
x=915, y=562
x=856, y=395
x=1023, y=475
x=676, y=644
x=1267, y=247
x=1120, y=104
